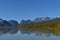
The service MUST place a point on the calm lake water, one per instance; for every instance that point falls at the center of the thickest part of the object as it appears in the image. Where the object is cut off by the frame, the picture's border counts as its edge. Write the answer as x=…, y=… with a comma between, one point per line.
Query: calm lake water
x=22, y=34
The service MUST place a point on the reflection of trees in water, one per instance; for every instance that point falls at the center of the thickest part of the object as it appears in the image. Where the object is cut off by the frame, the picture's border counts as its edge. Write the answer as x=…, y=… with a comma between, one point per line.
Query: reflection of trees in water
x=36, y=32
x=47, y=32
x=25, y=31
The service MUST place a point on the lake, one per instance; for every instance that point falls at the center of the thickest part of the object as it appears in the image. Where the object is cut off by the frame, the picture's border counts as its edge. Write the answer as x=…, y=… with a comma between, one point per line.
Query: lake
x=24, y=34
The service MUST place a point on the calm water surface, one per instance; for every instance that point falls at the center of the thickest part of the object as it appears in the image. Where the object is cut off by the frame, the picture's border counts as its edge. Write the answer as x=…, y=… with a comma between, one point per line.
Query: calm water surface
x=20, y=34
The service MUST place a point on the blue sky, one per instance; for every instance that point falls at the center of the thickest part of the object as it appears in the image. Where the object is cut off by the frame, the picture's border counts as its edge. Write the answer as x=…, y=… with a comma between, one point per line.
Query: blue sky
x=29, y=9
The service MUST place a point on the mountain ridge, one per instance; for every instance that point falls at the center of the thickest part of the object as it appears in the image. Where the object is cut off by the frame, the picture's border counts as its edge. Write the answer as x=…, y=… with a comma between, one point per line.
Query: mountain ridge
x=23, y=22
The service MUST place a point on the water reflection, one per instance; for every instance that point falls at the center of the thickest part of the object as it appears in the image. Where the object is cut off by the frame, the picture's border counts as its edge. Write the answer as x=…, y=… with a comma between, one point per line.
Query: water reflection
x=8, y=30
x=27, y=31
x=36, y=32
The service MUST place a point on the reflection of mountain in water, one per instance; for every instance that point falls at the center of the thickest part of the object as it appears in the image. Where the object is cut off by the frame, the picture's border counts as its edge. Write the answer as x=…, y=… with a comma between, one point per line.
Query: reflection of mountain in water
x=28, y=31
x=8, y=30
x=41, y=32
x=36, y=32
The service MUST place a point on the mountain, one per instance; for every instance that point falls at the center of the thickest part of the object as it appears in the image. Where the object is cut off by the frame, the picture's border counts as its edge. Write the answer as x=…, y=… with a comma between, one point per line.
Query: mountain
x=25, y=22
x=8, y=23
x=36, y=20
x=4, y=23
x=13, y=22
x=41, y=19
